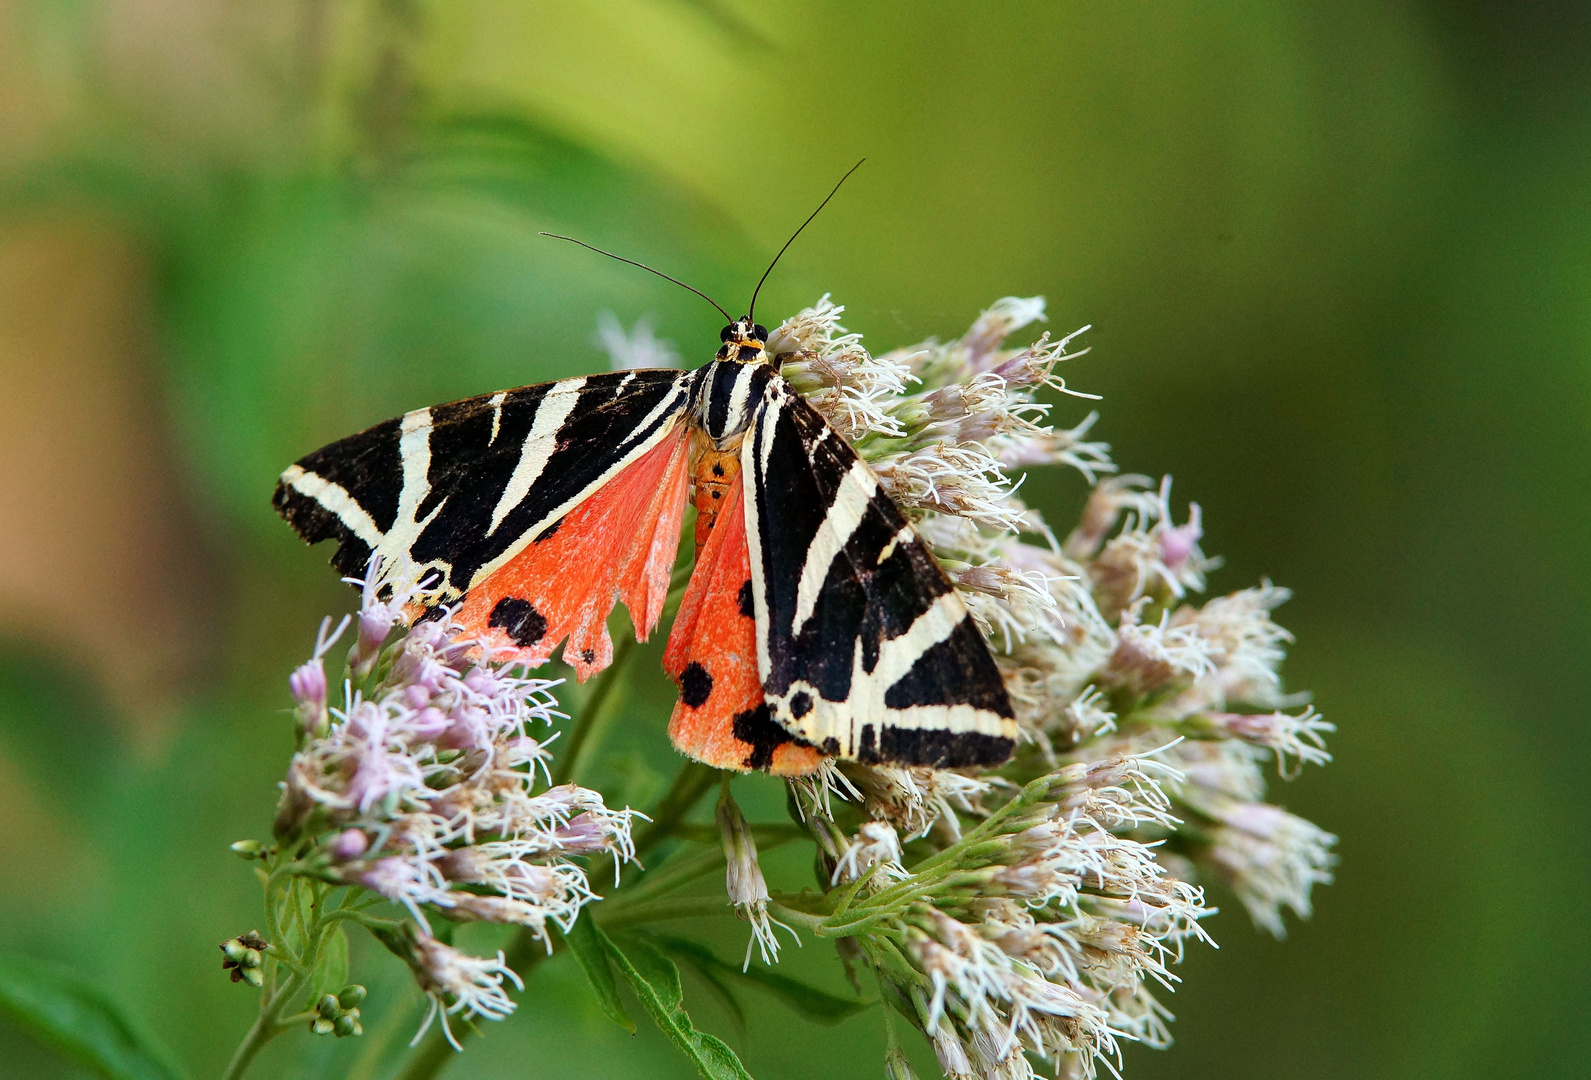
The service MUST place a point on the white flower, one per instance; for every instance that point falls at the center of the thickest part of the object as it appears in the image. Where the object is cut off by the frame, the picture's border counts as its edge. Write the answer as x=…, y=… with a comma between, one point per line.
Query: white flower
x=1141, y=716
x=1299, y=737
x=636, y=349
x=434, y=766
x=748, y=891
x=876, y=845
x=1272, y=860
x=460, y=984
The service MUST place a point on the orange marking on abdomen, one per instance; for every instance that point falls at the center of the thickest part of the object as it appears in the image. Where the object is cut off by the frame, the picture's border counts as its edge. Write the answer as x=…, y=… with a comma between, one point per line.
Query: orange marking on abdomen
x=715, y=473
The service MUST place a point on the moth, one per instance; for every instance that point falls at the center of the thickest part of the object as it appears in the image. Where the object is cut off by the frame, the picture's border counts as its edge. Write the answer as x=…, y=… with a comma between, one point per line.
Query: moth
x=816, y=623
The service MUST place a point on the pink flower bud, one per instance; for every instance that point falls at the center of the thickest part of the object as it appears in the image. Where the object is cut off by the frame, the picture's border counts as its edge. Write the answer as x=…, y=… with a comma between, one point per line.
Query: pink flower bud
x=350, y=844
x=308, y=687
x=429, y=722
x=1176, y=544
x=584, y=835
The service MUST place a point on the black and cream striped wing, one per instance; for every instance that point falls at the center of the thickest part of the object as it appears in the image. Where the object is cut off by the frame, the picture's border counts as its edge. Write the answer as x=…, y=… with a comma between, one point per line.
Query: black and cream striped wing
x=460, y=489
x=864, y=647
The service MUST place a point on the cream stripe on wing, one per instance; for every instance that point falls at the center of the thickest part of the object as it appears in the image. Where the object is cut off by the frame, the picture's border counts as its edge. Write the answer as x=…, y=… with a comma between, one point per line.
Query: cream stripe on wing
x=497, y=415
x=851, y=500
x=734, y=416
x=551, y=412
x=752, y=477
x=770, y=422
x=670, y=403
x=627, y=456
x=334, y=499
x=414, y=450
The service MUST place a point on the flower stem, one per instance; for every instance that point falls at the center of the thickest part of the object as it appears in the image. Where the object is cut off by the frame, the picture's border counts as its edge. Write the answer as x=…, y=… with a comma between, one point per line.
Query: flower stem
x=266, y=1027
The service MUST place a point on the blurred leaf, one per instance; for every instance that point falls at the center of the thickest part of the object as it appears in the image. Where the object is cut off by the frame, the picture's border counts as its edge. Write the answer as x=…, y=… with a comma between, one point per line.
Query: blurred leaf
x=593, y=959
x=655, y=981
x=68, y=1012
x=809, y=1001
x=331, y=967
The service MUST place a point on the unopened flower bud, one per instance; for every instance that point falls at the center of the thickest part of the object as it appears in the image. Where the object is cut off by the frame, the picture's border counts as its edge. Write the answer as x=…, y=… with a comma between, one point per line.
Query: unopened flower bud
x=321, y=1026
x=243, y=957
x=744, y=881
x=1180, y=541
x=346, y=1025
x=896, y=1066
x=248, y=849
x=328, y=1007
x=375, y=623
x=351, y=995
x=308, y=686
x=350, y=844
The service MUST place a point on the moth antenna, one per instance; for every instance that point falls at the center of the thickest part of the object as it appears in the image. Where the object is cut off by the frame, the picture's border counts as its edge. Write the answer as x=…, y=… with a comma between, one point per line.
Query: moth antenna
x=727, y=316
x=753, y=310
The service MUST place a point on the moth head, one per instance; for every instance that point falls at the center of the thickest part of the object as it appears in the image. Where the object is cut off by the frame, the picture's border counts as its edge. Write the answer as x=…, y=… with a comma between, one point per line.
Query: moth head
x=744, y=342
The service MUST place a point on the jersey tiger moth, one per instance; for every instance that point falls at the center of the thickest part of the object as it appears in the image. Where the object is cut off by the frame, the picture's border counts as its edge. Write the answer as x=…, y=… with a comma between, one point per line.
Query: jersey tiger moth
x=816, y=621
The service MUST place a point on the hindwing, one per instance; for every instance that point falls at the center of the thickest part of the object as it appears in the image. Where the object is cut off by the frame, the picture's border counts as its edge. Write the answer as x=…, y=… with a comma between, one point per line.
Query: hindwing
x=864, y=647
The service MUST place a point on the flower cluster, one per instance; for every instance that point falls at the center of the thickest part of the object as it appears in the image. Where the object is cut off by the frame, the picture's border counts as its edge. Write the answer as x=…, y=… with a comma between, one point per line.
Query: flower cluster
x=1027, y=912
x=428, y=788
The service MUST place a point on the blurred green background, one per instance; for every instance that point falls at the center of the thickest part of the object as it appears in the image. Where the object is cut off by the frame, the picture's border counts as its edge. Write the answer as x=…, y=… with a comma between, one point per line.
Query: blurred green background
x=1336, y=255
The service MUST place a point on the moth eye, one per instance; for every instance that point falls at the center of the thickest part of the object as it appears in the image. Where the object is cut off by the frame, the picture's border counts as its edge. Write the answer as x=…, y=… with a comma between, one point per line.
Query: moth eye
x=727, y=332
x=760, y=332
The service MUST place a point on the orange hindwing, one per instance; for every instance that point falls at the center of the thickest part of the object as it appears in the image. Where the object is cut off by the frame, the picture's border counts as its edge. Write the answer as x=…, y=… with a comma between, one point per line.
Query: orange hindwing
x=619, y=544
x=720, y=717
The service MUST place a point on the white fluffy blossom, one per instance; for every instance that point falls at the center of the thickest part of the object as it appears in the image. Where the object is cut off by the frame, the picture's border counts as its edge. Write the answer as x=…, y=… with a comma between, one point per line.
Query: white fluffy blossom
x=428, y=786
x=1033, y=912
x=637, y=348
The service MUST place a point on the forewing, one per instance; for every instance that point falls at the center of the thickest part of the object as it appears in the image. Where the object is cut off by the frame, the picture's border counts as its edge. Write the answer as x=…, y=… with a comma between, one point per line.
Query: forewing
x=459, y=490
x=864, y=647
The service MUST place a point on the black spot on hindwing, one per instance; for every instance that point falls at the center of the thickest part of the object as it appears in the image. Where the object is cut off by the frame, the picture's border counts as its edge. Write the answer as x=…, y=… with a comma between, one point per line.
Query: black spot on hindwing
x=757, y=728
x=695, y=685
x=523, y=623
x=747, y=602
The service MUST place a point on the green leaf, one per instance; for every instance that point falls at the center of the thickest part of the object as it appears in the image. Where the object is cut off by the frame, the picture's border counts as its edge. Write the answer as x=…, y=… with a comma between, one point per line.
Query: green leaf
x=593, y=959
x=331, y=966
x=655, y=981
x=66, y=1011
x=814, y=1004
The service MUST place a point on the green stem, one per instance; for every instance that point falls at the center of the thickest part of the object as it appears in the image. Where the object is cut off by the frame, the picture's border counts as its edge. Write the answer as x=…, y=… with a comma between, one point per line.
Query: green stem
x=591, y=716
x=794, y=917
x=266, y=1027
